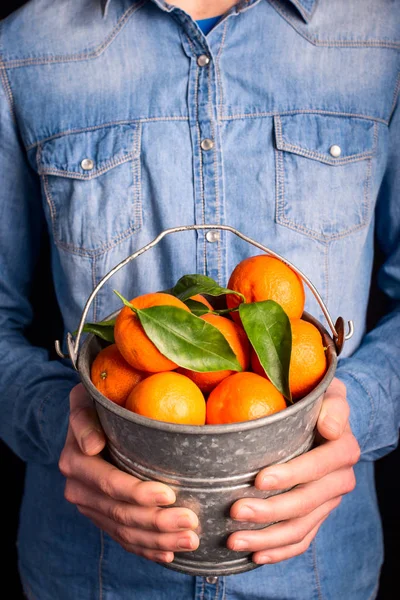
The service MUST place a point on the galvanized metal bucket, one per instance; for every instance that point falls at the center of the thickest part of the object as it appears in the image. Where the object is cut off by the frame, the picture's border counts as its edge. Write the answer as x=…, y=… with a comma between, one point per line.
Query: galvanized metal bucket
x=211, y=466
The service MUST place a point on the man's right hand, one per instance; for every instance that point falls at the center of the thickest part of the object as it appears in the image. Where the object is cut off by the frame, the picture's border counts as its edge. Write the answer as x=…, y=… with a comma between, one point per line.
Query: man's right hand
x=125, y=507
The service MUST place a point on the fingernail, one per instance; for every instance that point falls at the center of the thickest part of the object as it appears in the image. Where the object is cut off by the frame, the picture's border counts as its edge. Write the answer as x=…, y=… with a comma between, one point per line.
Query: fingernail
x=162, y=498
x=162, y=557
x=245, y=512
x=268, y=482
x=185, y=543
x=262, y=559
x=332, y=424
x=240, y=545
x=91, y=440
x=169, y=558
x=184, y=522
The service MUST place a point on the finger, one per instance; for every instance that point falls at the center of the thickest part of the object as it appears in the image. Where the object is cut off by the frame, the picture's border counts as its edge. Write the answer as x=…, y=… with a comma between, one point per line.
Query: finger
x=299, y=502
x=130, y=536
x=312, y=465
x=281, y=534
x=124, y=513
x=104, y=477
x=84, y=422
x=335, y=411
x=278, y=554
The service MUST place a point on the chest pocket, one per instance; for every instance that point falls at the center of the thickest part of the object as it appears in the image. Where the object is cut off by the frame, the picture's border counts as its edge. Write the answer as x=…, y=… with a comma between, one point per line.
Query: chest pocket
x=323, y=171
x=91, y=182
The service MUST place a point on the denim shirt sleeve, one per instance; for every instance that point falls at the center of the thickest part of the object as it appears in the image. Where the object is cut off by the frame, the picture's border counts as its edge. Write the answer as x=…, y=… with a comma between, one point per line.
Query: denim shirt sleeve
x=372, y=373
x=34, y=390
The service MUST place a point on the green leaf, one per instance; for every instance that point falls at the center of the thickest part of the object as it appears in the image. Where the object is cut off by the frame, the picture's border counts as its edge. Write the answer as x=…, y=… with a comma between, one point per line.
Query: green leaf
x=190, y=285
x=269, y=331
x=103, y=330
x=197, y=308
x=187, y=340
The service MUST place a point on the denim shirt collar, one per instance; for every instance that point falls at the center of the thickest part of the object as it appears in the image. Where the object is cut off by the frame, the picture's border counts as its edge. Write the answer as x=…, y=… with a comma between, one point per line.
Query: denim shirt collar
x=305, y=7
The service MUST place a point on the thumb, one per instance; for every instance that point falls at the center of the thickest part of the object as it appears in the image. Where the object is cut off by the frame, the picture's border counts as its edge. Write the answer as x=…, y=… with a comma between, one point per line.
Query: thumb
x=335, y=411
x=84, y=422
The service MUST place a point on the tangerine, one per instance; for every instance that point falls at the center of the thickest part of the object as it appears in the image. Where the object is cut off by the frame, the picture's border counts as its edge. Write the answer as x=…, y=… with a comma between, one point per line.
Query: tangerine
x=264, y=277
x=308, y=362
x=113, y=376
x=133, y=342
x=200, y=298
x=243, y=397
x=238, y=341
x=170, y=397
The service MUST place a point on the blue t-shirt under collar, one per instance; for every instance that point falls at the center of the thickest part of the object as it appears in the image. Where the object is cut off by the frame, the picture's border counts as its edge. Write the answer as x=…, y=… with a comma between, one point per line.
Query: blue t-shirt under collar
x=207, y=24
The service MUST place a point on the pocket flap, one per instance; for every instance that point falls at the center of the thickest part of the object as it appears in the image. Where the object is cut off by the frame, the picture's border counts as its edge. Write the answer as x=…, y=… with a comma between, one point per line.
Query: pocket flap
x=87, y=154
x=329, y=139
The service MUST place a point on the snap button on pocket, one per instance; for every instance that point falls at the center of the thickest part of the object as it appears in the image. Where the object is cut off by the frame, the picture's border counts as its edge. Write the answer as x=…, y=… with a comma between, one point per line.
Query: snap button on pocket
x=335, y=151
x=87, y=164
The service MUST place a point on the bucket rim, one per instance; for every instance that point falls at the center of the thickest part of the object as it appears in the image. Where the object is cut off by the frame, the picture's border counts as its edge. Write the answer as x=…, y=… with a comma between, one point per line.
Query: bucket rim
x=206, y=429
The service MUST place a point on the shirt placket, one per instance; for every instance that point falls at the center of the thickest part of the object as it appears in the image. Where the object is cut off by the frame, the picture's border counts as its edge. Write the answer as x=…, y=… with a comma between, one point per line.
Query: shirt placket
x=203, y=95
x=203, y=109
x=210, y=588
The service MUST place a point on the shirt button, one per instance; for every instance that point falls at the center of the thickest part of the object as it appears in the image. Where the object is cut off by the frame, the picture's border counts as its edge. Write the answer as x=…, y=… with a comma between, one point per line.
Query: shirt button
x=211, y=579
x=212, y=236
x=335, y=151
x=207, y=144
x=203, y=60
x=87, y=164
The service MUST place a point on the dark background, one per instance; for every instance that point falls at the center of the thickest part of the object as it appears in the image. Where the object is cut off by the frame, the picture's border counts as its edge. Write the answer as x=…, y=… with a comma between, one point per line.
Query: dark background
x=47, y=327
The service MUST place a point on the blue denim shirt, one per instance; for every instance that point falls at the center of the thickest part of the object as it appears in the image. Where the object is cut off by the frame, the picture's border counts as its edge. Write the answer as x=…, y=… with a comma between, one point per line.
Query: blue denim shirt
x=104, y=107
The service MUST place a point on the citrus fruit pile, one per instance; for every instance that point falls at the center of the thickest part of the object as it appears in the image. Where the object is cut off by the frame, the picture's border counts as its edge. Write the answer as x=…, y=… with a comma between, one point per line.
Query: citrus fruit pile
x=175, y=357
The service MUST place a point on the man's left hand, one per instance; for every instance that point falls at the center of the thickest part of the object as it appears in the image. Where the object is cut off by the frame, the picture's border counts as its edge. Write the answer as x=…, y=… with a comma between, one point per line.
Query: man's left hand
x=319, y=479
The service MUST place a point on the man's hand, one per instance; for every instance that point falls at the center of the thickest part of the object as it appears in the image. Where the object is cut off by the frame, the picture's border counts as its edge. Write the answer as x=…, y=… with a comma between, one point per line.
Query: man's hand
x=123, y=506
x=321, y=477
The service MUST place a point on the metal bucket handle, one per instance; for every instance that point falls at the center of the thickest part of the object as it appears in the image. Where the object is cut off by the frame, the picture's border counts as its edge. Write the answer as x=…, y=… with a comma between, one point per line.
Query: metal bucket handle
x=337, y=329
